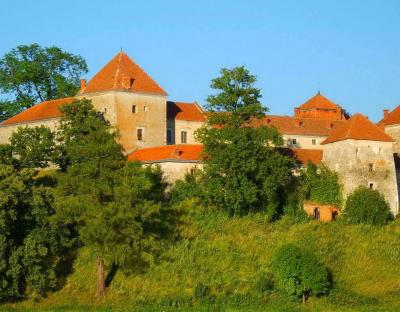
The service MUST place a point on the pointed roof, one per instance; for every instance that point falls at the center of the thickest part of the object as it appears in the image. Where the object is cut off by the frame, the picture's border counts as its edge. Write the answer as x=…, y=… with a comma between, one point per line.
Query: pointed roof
x=319, y=101
x=41, y=111
x=121, y=73
x=393, y=118
x=358, y=127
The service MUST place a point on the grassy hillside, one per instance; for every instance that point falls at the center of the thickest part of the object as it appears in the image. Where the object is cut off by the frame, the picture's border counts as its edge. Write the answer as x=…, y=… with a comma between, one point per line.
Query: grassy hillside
x=219, y=263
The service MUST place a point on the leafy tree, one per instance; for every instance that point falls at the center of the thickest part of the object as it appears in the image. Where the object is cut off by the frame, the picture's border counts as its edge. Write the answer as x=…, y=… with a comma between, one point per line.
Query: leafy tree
x=31, y=246
x=33, y=147
x=369, y=206
x=321, y=185
x=30, y=74
x=115, y=207
x=298, y=273
x=242, y=170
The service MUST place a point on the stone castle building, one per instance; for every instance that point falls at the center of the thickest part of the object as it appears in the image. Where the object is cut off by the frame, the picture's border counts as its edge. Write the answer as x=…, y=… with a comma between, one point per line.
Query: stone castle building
x=156, y=130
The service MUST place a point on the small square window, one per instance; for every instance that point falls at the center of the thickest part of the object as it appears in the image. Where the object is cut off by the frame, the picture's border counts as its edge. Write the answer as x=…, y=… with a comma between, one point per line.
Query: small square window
x=183, y=137
x=133, y=109
x=372, y=185
x=371, y=167
x=314, y=141
x=294, y=141
x=145, y=108
x=139, y=134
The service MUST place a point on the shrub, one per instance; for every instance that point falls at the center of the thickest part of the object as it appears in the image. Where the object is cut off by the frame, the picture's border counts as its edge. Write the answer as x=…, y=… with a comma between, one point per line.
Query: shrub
x=264, y=283
x=299, y=274
x=369, y=206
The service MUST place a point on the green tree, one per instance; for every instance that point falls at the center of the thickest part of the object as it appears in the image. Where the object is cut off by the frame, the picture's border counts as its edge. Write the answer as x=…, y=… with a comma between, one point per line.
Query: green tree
x=369, y=206
x=298, y=273
x=115, y=207
x=30, y=74
x=33, y=147
x=31, y=246
x=242, y=170
x=321, y=185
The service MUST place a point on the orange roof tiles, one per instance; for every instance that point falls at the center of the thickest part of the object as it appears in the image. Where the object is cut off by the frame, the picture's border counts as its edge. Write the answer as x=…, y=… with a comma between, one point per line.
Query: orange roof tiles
x=186, y=152
x=185, y=111
x=121, y=73
x=319, y=101
x=392, y=118
x=44, y=110
x=301, y=126
x=177, y=153
x=358, y=127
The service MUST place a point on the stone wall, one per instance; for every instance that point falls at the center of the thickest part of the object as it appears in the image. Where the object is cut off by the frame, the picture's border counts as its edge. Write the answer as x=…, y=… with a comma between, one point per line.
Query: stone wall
x=150, y=116
x=394, y=132
x=177, y=126
x=303, y=141
x=364, y=163
x=6, y=131
x=176, y=170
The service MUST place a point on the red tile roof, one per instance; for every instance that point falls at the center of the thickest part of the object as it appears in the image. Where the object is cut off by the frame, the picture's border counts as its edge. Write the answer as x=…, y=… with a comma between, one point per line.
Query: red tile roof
x=185, y=111
x=301, y=126
x=319, y=101
x=186, y=152
x=121, y=73
x=392, y=118
x=44, y=110
x=177, y=153
x=358, y=127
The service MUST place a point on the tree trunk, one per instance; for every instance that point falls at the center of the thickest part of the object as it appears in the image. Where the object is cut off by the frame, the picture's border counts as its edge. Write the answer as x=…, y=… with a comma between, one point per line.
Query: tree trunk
x=305, y=297
x=101, y=284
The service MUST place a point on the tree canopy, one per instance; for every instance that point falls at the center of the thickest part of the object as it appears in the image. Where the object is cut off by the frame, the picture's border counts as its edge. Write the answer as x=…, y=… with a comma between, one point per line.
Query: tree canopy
x=30, y=74
x=299, y=274
x=368, y=206
x=242, y=170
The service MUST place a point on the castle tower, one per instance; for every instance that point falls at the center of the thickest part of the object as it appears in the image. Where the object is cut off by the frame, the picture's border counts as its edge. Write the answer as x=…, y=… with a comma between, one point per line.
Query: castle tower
x=131, y=100
x=362, y=154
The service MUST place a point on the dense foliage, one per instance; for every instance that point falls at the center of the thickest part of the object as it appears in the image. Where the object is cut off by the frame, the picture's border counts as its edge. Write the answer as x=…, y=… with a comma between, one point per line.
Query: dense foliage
x=30, y=74
x=368, y=206
x=31, y=246
x=115, y=207
x=321, y=185
x=242, y=171
x=299, y=273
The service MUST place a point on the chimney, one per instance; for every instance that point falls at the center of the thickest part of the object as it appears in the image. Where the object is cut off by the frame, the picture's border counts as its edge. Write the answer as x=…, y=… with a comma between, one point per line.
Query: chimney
x=178, y=153
x=298, y=123
x=385, y=113
x=83, y=84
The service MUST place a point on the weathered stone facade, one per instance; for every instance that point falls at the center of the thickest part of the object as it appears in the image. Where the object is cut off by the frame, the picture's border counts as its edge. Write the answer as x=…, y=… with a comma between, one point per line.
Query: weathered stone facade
x=364, y=163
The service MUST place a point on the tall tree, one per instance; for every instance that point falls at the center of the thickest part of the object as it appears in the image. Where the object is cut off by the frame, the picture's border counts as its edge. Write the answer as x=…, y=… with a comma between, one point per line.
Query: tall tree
x=242, y=170
x=114, y=206
x=30, y=74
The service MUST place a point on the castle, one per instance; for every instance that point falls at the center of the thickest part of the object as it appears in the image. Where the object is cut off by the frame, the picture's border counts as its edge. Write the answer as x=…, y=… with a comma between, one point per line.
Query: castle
x=155, y=130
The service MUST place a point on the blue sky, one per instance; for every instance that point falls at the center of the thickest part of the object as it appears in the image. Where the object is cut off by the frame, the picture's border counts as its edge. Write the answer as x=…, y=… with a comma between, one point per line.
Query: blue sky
x=349, y=49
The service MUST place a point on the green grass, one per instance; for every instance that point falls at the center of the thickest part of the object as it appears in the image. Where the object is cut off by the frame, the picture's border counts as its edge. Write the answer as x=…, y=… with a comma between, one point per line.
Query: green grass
x=229, y=255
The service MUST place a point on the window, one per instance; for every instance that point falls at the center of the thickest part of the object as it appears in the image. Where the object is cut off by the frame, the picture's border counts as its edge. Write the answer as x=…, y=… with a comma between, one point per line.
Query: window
x=169, y=136
x=145, y=108
x=314, y=141
x=183, y=136
x=133, y=109
x=371, y=167
x=139, y=134
x=372, y=185
x=294, y=141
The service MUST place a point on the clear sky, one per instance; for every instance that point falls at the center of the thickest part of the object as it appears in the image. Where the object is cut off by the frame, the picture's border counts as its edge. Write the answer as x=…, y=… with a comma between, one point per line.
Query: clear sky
x=349, y=49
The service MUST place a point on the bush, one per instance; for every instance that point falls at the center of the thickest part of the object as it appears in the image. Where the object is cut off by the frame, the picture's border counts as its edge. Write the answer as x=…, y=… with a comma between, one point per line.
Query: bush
x=299, y=274
x=264, y=283
x=369, y=206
